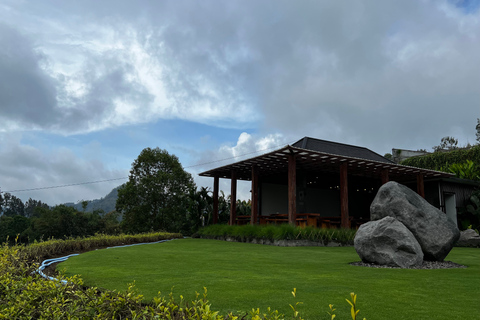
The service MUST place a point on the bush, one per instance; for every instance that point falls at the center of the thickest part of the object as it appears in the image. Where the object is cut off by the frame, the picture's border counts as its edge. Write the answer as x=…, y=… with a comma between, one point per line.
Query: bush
x=469, y=216
x=278, y=232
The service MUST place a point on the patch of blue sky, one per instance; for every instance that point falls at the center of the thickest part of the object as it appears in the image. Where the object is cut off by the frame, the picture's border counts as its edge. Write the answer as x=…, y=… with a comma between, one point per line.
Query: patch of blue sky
x=187, y=139
x=118, y=147
x=467, y=6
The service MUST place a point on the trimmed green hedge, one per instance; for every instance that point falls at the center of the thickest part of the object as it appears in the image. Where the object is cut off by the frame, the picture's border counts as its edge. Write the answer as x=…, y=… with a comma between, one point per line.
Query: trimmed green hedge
x=442, y=160
x=285, y=231
x=38, y=251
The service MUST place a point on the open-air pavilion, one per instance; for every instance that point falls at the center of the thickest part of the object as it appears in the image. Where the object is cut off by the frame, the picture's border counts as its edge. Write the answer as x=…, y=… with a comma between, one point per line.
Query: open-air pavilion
x=314, y=182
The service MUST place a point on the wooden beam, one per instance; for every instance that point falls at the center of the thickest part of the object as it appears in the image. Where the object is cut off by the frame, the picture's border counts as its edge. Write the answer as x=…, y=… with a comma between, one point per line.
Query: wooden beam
x=292, y=188
x=254, y=216
x=385, y=177
x=420, y=185
x=233, y=199
x=215, y=200
x=345, y=219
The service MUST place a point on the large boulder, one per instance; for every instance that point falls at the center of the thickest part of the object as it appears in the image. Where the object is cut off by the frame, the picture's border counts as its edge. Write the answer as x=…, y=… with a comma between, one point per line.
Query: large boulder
x=430, y=226
x=468, y=238
x=388, y=242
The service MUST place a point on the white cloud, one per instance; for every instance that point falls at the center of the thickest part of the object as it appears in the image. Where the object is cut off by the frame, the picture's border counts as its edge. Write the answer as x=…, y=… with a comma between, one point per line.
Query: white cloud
x=113, y=72
x=247, y=146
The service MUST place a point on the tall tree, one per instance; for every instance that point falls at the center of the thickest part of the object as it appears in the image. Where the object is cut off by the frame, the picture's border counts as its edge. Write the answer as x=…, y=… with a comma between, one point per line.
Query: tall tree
x=447, y=143
x=31, y=206
x=12, y=206
x=478, y=130
x=156, y=195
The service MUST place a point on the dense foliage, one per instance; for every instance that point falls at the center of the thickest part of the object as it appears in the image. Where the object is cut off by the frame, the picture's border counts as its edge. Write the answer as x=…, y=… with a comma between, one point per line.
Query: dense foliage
x=278, y=232
x=469, y=216
x=466, y=170
x=62, y=222
x=59, y=222
x=441, y=161
x=12, y=206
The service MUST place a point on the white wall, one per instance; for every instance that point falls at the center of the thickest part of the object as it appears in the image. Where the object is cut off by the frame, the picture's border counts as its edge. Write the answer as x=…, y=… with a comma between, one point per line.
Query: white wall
x=450, y=207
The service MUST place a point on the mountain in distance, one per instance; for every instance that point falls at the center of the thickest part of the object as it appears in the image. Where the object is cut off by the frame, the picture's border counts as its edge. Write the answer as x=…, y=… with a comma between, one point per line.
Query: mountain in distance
x=107, y=204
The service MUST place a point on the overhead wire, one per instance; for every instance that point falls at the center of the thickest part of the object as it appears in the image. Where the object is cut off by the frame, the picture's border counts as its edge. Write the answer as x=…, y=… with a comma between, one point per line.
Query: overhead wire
x=123, y=178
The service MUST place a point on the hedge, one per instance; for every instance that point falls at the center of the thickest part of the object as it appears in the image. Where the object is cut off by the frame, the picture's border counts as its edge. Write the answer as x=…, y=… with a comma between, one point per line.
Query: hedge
x=441, y=160
x=247, y=233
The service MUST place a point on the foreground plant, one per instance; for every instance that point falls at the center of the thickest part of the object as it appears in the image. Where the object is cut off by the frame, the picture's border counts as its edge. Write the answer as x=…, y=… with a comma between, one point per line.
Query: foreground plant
x=353, y=311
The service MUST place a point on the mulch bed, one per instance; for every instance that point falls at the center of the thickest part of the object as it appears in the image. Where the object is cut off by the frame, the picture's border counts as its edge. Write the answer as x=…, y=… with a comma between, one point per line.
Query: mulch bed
x=425, y=265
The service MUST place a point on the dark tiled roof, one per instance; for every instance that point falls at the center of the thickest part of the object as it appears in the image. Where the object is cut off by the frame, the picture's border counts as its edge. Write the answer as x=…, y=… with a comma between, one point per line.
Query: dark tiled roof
x=339, y=149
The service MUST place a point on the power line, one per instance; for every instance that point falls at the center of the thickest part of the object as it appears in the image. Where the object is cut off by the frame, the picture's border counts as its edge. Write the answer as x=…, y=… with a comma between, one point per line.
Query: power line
x=122, y=178
x=65, y=185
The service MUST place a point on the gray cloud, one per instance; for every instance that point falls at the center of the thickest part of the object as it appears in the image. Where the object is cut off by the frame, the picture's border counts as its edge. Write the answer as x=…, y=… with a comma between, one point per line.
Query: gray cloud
x=27, y=167
x=380, y=74
x=25, y=89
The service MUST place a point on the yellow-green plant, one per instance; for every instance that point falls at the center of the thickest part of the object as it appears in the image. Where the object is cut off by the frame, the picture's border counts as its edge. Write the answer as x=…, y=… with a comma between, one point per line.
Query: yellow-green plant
x=353, y=311
x=331, y=312
x=296, y=313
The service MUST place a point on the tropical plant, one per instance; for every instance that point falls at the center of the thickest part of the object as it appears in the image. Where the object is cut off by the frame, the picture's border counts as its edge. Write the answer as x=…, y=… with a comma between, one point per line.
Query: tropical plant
x=465, y=170
x=469, y=217
x=200, y=211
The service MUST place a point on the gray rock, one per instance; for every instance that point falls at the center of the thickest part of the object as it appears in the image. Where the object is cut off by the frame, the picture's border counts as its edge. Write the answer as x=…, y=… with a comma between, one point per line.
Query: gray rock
x=430, y=226
x=468, y=238
x=388, y=242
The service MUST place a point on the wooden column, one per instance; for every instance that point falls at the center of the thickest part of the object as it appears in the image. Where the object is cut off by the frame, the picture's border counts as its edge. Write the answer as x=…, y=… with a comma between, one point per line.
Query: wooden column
x=233, y=199
x=254, y=216
x=420, y=185
x=385, y=177
x=292, y=188
x=215, y=200
x=345, y=219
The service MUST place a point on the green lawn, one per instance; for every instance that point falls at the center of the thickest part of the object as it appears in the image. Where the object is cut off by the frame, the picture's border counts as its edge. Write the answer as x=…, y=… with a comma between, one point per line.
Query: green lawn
x=240, y=276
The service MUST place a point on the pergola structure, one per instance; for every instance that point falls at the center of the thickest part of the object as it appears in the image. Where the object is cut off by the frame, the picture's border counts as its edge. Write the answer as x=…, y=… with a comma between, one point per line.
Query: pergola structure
x=288, y=160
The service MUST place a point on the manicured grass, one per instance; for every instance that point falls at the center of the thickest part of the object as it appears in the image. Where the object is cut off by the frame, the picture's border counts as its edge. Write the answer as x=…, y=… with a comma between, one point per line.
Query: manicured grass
x=241, y=276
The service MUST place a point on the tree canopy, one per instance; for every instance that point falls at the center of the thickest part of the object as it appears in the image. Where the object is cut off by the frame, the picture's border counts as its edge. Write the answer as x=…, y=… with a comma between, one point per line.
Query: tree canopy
x=157, y=193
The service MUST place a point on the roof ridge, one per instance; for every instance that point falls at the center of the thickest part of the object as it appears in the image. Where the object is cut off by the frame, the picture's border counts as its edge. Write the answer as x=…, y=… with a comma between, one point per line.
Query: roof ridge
x=306, y=138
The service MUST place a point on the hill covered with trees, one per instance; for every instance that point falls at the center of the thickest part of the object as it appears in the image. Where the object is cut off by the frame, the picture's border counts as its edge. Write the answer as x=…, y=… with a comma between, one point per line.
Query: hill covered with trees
x=105, y=204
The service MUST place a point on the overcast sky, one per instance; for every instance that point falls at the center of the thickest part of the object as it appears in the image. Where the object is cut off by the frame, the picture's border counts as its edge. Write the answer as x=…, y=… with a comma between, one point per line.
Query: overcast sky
x=86, y=85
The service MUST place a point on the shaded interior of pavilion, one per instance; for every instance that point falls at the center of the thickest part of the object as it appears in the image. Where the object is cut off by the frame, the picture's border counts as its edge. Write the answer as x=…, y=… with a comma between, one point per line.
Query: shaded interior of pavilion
x=311, y=188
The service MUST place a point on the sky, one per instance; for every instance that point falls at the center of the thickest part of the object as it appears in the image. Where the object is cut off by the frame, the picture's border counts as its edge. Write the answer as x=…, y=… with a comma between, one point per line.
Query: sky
x=86, y=85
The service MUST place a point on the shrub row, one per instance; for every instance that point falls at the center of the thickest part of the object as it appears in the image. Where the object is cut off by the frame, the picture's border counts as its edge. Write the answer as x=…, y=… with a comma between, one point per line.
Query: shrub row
x=38, y=251
x=248, y=233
